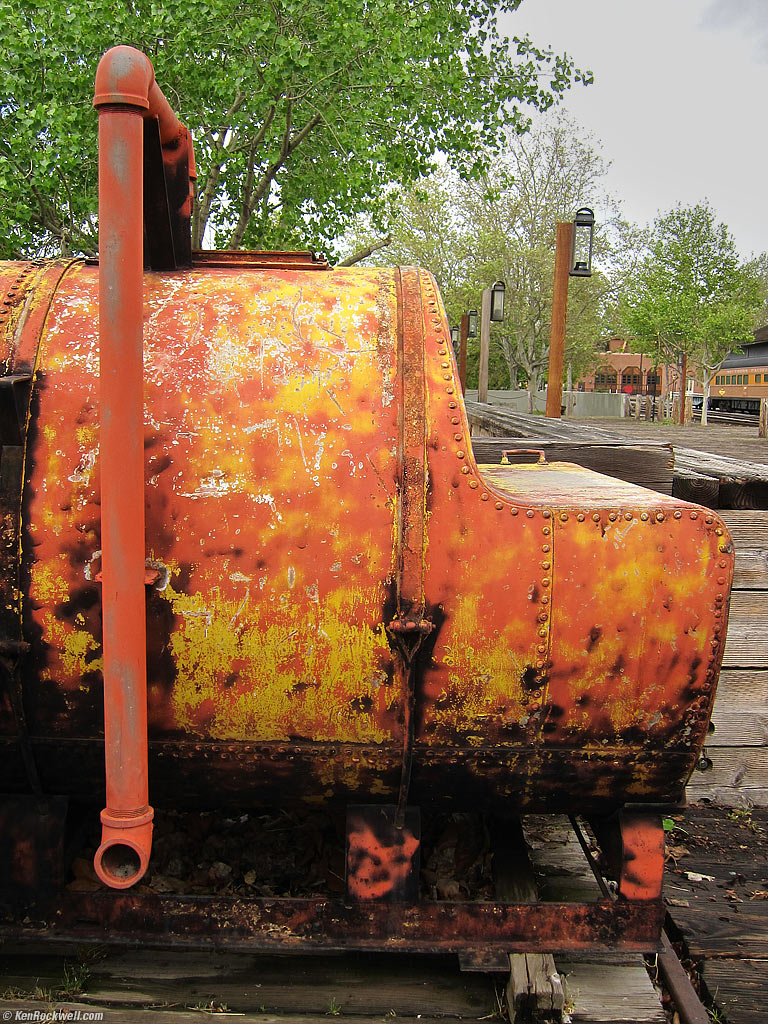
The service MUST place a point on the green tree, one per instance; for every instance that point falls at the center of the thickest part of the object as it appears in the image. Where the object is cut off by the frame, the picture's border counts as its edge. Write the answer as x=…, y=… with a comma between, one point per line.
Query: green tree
x=502, y=225
x=692, y=300
x=302, y=111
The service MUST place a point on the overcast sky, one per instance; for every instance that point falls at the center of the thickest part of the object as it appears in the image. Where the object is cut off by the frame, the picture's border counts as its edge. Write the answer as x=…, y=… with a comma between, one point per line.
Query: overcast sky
x=678, y=101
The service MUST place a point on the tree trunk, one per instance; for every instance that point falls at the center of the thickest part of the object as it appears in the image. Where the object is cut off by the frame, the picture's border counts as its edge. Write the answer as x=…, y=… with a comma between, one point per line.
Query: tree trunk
x=683, y=390
x=705, y=401
x=365, y=252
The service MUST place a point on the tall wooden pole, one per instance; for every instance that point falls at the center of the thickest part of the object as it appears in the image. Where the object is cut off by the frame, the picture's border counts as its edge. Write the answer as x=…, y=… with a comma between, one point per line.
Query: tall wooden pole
x=463, y=335
x=563, y=243
x=485, y=346
x=683, y=389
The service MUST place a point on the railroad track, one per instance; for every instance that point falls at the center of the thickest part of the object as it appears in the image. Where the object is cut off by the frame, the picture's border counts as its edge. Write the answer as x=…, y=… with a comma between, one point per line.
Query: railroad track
x=174, y=986
x=734, y=419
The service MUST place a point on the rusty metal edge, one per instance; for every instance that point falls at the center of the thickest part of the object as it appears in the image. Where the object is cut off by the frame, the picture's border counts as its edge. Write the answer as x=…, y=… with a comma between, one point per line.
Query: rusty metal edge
x=323, y=924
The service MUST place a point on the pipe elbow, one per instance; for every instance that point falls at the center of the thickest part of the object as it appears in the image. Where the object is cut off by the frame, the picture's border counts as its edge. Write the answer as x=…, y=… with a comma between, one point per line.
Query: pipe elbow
x=125, y=76
x=126, y=844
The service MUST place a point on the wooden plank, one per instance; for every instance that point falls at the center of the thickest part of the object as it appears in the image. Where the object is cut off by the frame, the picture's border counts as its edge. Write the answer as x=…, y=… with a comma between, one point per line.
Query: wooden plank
x=743, y=685
x=696, y=488
x=365, y=984
x=563, y=873
x=739, y=725
x=749, y=529
x=748, y=606
x=739, y=988
x=719, y=930
x=740, y=715
x=124, y=1015
x=751, y=569
x=602, y=994
x=534, y=985
x=738, y=775
x=746, y=645
x=719, y=466
x=647, y=465
x=744, y=494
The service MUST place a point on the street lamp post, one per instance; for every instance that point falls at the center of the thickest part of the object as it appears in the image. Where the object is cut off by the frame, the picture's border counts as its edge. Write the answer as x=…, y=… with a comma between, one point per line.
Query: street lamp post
x=573, y=258
x=468, y=329
x=491, y=310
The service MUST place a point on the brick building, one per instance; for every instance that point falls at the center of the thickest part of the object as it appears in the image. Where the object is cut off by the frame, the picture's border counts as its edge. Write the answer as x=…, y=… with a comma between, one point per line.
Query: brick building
x=622, y=370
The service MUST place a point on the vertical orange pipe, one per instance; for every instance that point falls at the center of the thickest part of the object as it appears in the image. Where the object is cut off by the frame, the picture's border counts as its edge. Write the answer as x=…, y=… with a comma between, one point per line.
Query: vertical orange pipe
x=121, y=82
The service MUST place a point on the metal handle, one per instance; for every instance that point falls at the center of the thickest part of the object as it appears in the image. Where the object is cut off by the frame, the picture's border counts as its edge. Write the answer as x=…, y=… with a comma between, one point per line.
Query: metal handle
x=525, y=451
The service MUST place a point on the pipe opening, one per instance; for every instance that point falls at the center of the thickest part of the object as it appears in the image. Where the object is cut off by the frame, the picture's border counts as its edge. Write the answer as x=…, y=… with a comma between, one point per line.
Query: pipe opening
x=121, y=862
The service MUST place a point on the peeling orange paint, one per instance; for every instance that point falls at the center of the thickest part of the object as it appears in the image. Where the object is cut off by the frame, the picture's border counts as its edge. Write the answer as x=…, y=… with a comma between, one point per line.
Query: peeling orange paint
x=578, y=621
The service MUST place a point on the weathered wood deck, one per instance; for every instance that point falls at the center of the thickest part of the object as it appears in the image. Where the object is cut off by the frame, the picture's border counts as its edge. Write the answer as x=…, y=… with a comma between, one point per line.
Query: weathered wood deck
x=716, y=882
x=706, y=474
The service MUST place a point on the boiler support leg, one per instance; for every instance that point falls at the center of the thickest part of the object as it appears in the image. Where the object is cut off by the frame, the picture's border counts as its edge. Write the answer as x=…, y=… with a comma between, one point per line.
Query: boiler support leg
x=382, y=855
x=632, y=841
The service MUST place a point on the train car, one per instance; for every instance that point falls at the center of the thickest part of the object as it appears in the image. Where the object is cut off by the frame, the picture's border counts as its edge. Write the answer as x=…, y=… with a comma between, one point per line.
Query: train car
x=742, y=379
x=249, y=561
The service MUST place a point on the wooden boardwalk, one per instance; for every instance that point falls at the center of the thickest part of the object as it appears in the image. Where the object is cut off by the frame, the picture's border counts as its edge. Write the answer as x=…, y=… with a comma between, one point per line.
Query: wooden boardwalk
x=699, y=475
x=717, y=891
x=733, y=442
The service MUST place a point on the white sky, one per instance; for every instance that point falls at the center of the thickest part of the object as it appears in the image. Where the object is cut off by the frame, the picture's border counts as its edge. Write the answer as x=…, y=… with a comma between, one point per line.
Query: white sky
x=678, y=100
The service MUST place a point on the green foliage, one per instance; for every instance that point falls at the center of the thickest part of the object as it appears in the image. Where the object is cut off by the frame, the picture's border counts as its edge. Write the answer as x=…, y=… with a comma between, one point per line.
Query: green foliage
x=302, y=111
x=501, y=225
x=692, y=295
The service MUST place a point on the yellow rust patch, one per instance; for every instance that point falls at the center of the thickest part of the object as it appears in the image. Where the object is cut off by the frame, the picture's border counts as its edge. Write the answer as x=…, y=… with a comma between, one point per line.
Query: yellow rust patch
x=303, y=670
x=482, y=671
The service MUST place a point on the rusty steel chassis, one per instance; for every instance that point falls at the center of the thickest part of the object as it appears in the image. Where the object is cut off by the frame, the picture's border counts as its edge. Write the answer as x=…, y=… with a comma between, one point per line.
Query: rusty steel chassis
x=631, y=841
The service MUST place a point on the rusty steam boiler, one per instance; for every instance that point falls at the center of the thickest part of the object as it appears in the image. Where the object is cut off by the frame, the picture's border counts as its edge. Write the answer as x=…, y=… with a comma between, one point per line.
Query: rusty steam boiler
x=255, y=563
